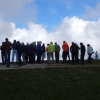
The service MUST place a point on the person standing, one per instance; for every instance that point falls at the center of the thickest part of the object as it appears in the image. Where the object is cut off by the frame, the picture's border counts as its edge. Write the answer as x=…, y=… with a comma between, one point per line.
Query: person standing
x=43, y=52
x=3, y=53
x=23, y=53
x=47, y=53
x=14, y=51
x=27, y=57
x=89, y=52
x=39, y=52
x=57, y=50
x=74, y=52
x=19, y=49
x=82, y=50
x=34, y=52
x=7, y=49
x=51, y=50
x=96, y=55
x=65, y=48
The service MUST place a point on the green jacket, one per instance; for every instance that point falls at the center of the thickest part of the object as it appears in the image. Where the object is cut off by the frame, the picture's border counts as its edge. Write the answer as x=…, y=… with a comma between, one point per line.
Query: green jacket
x=51, y=48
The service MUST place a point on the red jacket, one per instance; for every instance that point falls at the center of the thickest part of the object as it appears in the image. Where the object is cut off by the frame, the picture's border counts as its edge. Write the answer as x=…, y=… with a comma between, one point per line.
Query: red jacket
x=65, y=46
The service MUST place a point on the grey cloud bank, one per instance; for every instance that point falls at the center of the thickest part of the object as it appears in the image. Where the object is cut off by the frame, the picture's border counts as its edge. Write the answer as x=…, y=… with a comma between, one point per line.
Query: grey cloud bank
x=16, y=10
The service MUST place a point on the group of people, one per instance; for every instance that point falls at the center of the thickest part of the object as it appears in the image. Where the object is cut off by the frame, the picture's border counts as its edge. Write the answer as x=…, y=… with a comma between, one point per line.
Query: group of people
x=29, y=52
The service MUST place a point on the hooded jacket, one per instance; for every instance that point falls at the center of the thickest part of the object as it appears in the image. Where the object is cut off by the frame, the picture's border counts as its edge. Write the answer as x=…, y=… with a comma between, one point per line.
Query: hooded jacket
x=89, y=50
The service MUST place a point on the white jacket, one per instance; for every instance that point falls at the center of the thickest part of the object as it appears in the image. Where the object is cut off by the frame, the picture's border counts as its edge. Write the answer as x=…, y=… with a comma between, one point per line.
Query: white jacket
x=89, y=50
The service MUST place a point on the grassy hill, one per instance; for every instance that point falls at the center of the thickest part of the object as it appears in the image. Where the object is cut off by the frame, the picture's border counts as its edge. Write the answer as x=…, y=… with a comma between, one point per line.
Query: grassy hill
x=60, y=83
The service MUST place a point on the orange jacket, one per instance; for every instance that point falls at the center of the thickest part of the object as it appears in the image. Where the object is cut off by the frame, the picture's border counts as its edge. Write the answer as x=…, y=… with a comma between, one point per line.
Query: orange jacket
x=65, y=46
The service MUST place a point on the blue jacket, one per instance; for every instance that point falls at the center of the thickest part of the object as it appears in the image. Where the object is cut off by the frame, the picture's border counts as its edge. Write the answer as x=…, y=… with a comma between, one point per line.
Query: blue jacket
x=39, y=48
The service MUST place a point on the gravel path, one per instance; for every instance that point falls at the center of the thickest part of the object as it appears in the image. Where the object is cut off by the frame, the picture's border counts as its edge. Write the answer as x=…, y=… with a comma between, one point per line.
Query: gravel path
x=44, y=65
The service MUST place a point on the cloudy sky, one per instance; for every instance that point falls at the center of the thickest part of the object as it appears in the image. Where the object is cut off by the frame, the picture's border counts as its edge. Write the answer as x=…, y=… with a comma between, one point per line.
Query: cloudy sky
x=51, y=20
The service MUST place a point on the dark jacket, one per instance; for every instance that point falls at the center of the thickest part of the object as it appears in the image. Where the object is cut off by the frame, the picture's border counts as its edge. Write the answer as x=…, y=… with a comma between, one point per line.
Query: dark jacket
x=19, y=47
x=7, y=46
x=23, y=48
x=57, y=48
x=27, y=48
x=14, y=45
x=34, y=47
x=74, y=48
x=2, y=48
x=83, y=48
x=43, y=48
x=39, y=48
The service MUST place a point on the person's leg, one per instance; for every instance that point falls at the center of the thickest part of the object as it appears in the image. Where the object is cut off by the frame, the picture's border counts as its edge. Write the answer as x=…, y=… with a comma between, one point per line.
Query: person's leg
x=52, y=57
x=6, y=62
x=82, y=58
x=72, y=58
x=19, y=56
x=2, y=57
x=43, y=55
x=63, y=55
x=8, y=58
x=16, y=55
x=49, y=57
x=24, y=58
x=40, y=57
x=34, y=57
x=68, y=56
x=90, y=59
x=76, y=57
x=13, y=52
x=30, y=57
x=57, y=57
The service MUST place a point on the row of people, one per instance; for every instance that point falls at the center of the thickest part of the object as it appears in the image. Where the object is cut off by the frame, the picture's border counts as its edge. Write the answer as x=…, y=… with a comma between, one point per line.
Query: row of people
x=27, y=53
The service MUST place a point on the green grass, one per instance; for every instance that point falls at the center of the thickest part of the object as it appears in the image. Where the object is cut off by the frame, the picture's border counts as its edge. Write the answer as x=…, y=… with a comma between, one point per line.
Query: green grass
x=80, y=83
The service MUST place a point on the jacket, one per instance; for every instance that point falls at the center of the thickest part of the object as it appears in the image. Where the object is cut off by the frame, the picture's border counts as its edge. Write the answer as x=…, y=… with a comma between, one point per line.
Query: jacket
x=7, y=46
x=51, y=48
x=65, y=46
x=57, y=48
x=89, y=50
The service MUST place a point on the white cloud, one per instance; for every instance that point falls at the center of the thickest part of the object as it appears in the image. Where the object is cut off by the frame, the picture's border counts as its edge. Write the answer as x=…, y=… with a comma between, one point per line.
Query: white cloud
x=71, y=30
x=91, y=12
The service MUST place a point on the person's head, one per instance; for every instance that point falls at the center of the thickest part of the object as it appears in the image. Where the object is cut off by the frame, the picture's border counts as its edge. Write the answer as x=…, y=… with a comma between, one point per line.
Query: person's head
x=40, y=42
x=55, y=43
x=88, y=44
x=51, y=43
x=6, y=39
x=27, y=44
x=81, y=43
x=47, y=44
x=72, y=43
x=34, y=42
x=14, y=41
x=22, y=43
